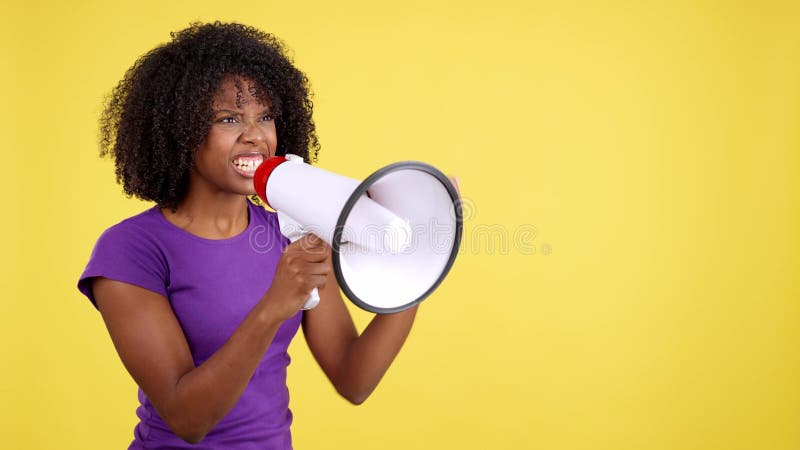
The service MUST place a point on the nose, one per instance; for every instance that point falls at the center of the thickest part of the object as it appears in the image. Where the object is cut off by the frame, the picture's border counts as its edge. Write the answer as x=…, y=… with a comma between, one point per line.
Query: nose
x=253, y=134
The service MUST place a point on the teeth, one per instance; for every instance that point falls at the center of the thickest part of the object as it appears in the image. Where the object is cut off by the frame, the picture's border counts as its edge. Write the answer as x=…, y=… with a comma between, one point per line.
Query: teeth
x=248, y=164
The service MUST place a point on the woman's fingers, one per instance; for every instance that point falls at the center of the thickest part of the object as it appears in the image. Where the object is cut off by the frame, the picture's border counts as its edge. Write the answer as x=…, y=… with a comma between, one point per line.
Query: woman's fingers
x=317, y=268
x=454, y=180
x=310, y=248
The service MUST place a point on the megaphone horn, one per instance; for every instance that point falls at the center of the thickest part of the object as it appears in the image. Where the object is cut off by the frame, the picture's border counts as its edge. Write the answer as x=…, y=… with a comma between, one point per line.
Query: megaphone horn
x=394, y=236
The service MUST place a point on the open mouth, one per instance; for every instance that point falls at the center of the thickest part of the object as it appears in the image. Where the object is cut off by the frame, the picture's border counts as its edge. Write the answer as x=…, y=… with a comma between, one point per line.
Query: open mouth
x=246, y=165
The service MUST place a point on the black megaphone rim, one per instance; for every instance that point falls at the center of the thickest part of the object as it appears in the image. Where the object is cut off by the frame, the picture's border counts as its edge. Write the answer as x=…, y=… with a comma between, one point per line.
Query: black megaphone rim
x=361, y=190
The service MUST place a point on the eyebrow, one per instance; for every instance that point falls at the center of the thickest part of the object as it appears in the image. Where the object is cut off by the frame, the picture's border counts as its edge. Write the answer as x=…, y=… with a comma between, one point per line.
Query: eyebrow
x=238, y=113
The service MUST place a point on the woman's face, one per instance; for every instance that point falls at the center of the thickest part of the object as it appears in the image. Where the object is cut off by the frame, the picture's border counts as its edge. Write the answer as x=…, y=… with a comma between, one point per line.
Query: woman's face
x=242, y=134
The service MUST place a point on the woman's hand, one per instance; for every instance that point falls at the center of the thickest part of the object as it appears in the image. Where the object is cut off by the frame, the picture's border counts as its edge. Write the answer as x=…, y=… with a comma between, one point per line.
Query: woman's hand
x=304, y=265
x=454, y=180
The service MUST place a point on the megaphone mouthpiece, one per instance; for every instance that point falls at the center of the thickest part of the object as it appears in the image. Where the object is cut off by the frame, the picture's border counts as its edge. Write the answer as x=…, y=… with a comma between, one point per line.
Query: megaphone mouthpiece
x=263, y=171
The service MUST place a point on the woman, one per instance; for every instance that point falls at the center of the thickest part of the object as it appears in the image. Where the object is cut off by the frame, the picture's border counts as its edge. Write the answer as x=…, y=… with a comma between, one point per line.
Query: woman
x=201, y=294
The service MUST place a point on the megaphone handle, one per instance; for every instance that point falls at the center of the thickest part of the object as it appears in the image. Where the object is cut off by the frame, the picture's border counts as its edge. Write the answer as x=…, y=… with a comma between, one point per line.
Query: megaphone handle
x=293, y=231
x=313, y=299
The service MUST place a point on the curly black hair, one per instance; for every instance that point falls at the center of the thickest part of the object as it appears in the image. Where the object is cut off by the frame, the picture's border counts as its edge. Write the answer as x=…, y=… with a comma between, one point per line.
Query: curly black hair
x=160, y=112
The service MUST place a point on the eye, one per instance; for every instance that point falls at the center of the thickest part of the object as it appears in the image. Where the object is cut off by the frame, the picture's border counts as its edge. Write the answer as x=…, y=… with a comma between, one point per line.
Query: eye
x=227, y=120
x=267, y=118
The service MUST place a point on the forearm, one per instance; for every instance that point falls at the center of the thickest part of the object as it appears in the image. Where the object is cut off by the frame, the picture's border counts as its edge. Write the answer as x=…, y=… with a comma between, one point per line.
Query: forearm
x=370, y=355
x=204, y=395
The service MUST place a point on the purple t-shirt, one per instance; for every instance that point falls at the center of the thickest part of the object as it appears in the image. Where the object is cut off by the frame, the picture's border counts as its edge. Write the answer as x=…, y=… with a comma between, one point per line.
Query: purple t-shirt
x=211, y=285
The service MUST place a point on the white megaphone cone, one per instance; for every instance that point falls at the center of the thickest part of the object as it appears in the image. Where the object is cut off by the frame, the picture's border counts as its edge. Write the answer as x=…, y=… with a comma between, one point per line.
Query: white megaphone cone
x=394, y=236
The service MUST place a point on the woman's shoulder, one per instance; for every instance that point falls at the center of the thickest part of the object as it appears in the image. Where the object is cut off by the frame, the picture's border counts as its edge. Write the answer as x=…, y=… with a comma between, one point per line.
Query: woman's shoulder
x=262, y=213
x=265, y=221
x=150, y=228
x=128, y=251
x=142, y=225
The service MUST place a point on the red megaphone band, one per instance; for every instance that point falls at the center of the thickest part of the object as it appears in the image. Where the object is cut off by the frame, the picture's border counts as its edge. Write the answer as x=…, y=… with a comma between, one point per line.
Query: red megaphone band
x=262, y=174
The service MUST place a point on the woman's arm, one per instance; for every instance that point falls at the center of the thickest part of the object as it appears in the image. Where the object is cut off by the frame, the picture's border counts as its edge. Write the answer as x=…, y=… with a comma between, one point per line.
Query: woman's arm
x=151, y=344
x=152, y=347
x=354, y=364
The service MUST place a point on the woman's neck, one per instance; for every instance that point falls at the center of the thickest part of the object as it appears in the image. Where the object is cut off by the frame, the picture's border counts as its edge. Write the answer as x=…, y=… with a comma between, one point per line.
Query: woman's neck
x=218, y=217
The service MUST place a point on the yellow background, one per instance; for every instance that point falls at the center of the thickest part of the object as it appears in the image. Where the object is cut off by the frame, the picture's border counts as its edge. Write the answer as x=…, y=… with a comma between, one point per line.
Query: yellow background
x=654, y=148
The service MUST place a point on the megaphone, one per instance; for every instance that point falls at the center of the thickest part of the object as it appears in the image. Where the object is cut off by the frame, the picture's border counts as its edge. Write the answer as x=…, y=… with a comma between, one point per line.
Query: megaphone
x=394, y=236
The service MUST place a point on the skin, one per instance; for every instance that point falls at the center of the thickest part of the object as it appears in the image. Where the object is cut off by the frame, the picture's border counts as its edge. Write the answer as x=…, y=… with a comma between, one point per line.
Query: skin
x=149, y=340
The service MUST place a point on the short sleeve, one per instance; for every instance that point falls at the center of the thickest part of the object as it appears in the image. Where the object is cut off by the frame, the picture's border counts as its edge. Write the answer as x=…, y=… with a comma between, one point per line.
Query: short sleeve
x=129, y=254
